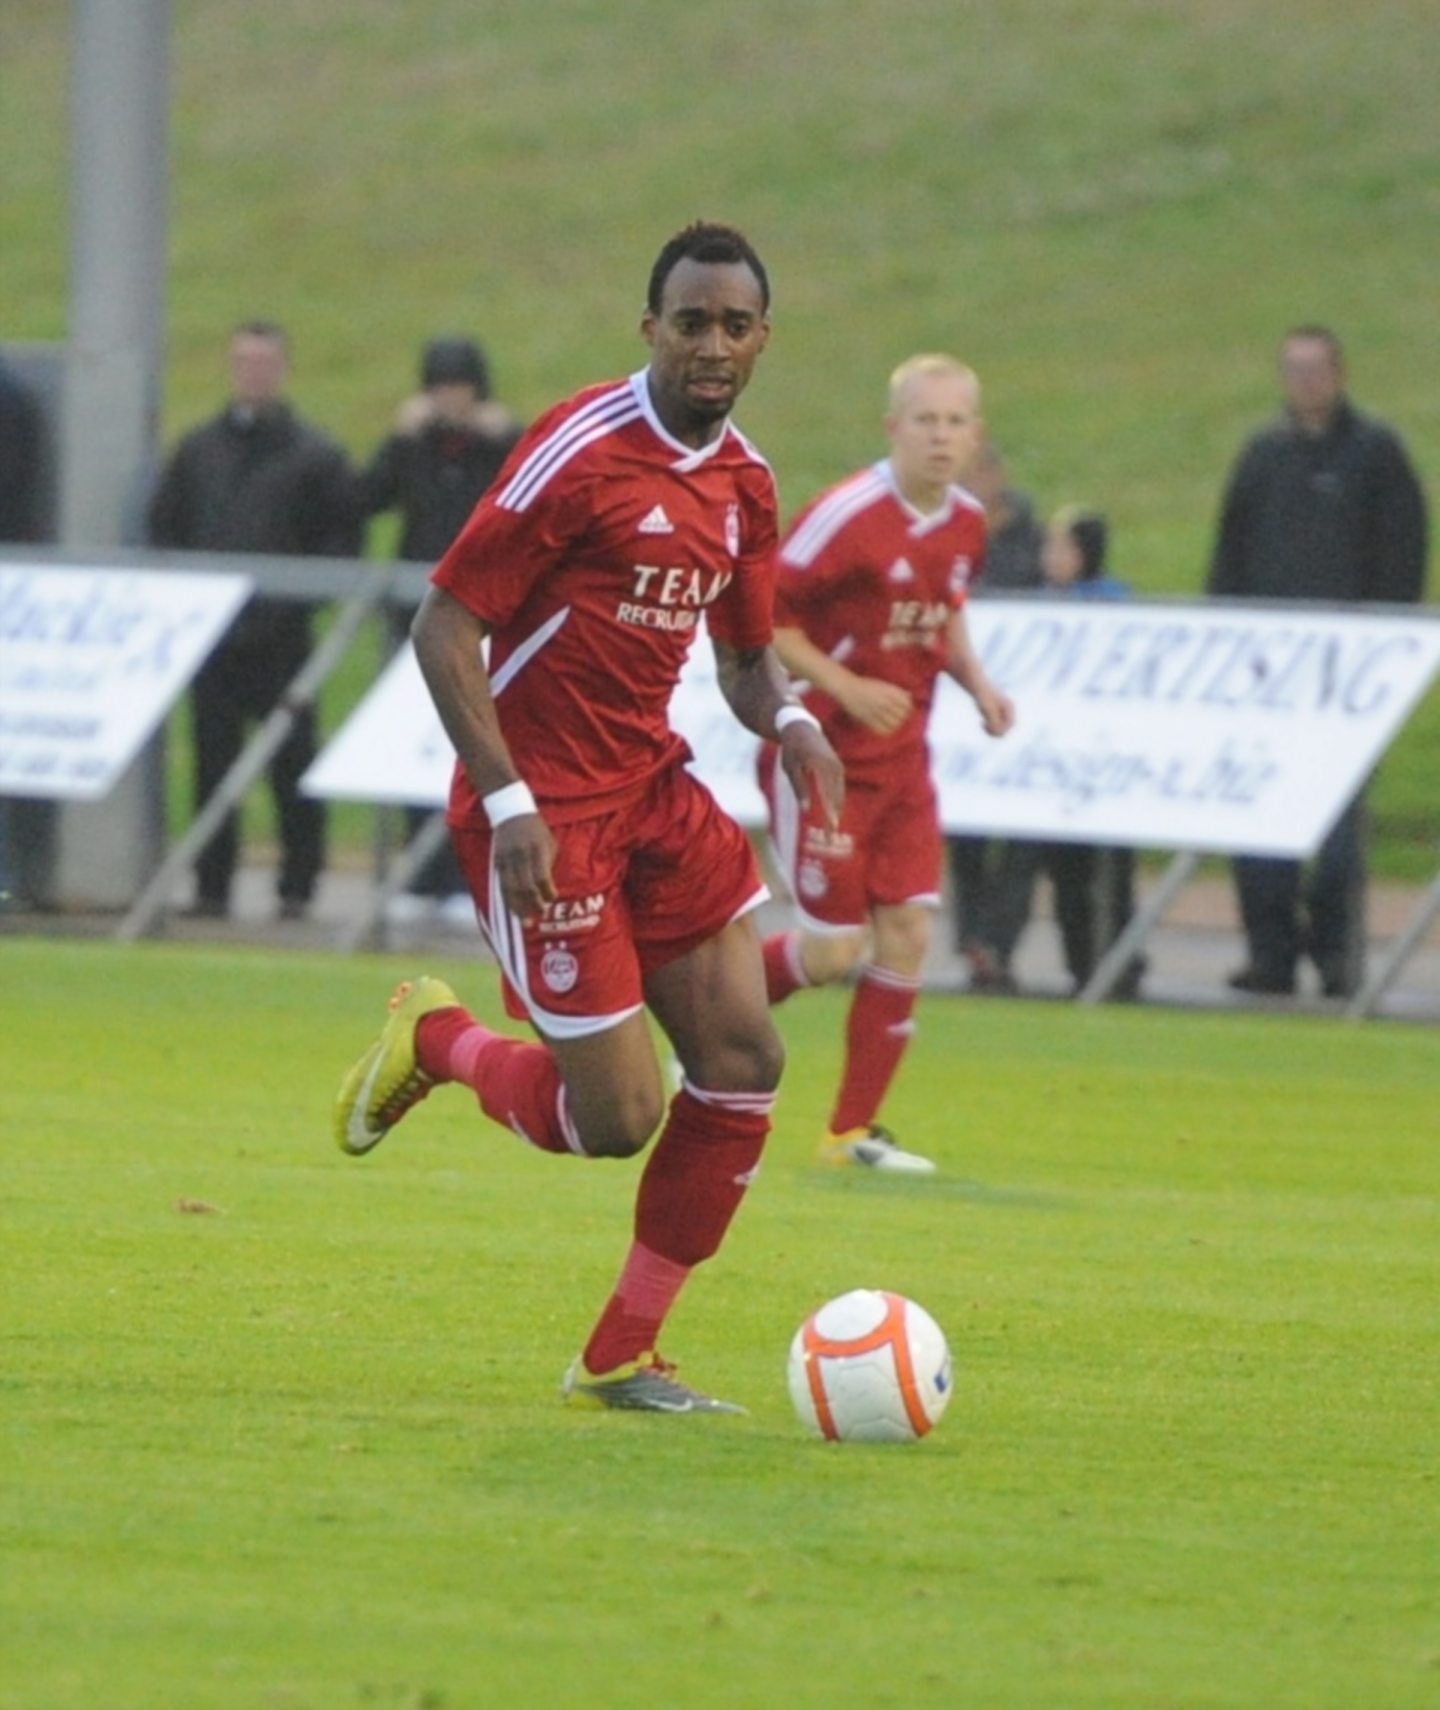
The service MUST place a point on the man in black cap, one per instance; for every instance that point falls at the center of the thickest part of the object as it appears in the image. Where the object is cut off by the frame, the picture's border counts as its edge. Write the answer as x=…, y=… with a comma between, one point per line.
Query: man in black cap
x=449, y=442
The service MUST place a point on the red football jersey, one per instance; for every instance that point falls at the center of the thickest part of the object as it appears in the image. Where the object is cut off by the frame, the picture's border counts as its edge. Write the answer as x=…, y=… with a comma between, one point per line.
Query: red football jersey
x=592, y=559
x=873, y=582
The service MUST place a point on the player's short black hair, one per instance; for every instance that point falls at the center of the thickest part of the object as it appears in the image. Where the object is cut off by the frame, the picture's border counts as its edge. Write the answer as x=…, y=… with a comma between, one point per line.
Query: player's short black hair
x=706, y=241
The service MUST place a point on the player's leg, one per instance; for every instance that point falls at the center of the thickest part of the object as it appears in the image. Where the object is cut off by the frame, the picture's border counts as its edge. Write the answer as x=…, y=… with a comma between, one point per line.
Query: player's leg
x=692, y=889
x=807, y=956
x=901, y=851
x=878, y=1030
x=711, y=1003
x=592, y=1087
x=817, y=862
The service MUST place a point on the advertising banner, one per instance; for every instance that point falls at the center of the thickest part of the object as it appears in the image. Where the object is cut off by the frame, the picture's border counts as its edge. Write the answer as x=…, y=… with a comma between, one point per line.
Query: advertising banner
x=1208, y=726
x=90, y=662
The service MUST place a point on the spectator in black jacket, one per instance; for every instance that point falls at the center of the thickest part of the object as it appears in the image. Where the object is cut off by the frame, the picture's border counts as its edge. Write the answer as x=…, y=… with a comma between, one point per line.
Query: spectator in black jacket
x=20, y=458
x=986, y=884
x=20, y=521
x=1322, y=505
x=257, y=479
x=449, y=443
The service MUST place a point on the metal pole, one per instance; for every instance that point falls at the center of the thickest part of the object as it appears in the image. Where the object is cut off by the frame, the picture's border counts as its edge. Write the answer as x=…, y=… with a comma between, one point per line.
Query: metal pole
x=301, y=693
x=119, y=95
x=1398, y=954
x=368, y=926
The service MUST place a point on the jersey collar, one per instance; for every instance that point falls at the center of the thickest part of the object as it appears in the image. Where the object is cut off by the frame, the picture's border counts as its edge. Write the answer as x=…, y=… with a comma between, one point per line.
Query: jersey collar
x=689, y=457
x=921, y=522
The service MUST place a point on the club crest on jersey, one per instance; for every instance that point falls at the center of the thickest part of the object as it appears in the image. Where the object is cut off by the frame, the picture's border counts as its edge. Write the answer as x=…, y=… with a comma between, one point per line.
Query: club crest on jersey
x=559, y=969
x=656, y=522
x=900, y=571
x=960, y=573
x=732, y=529
x=811, y=880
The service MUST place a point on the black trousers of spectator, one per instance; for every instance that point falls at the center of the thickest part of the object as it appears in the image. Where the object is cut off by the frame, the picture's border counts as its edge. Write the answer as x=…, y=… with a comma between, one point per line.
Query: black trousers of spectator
x=1287, y=911
x=986, y=885
x=1094, y=898
x=239, y=685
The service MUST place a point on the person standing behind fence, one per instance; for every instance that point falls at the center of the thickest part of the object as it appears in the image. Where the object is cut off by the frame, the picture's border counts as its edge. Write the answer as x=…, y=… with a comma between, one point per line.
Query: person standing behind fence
x=1323, y=504
x=20, y=522
x=1094, y=885
x=979, y=871
x=449, y=442
x=257, y=478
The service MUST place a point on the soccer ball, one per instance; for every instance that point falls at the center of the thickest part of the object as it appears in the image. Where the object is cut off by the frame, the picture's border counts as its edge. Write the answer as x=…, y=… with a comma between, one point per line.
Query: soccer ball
x=870, y=1367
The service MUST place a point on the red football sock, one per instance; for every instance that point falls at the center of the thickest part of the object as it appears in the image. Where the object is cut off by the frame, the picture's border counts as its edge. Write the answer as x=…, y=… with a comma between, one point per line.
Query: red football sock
x=879, y=1028
x=517, y=1082
x=784, y=971
x=706, y=1157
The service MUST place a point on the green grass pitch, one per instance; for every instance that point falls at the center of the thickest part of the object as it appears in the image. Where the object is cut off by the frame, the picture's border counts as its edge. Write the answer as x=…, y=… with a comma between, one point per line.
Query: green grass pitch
x=305, y=1450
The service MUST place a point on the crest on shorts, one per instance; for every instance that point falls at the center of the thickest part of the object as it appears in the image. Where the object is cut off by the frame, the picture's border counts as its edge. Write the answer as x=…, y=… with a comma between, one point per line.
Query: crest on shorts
x=732, y=529
x=811, y=880
x=559, y=969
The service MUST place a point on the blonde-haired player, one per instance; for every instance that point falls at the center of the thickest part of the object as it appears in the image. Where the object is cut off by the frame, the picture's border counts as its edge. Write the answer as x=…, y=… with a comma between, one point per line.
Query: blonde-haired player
x=870, y=609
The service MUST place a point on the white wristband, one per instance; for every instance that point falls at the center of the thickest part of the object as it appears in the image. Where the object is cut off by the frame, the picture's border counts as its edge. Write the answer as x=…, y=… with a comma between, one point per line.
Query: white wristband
x=508, y=802
x=791, y=714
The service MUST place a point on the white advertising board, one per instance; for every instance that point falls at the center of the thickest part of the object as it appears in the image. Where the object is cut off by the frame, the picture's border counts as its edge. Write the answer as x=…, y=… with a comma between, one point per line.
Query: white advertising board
x=391, y=749
x=90, y=662
x=1207, y=726
x=1213, y=726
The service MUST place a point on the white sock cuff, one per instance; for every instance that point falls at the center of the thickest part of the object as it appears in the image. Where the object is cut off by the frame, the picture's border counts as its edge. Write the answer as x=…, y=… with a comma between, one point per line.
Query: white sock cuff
x=749, y=1103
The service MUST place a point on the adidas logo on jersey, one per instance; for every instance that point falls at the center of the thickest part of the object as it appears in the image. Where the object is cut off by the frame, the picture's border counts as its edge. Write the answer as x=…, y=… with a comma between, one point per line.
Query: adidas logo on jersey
x=657, y=522
x=900, y=571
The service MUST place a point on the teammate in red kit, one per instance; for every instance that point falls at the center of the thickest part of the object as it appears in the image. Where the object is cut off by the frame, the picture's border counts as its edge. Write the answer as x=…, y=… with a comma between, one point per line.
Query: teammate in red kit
x=605, y=877
x=869, y=611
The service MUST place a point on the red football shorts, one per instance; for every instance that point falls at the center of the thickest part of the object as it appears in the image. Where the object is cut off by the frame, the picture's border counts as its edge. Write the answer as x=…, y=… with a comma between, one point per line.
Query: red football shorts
x=886, y=851
x=637, y=887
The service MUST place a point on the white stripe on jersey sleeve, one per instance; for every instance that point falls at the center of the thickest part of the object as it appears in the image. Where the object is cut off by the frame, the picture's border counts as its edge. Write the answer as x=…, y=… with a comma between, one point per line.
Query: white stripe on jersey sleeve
x=527, y=650
x=831, y=514
x=599, y=417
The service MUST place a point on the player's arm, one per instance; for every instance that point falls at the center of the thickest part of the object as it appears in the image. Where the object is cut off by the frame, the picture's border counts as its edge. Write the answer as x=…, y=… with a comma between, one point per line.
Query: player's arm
x=447, y=637
x=870, y=701
x=997, y=710
x=760, y=695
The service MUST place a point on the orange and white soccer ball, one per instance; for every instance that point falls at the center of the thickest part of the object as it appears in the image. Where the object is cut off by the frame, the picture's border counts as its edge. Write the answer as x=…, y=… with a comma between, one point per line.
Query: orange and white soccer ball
x=870, y=1367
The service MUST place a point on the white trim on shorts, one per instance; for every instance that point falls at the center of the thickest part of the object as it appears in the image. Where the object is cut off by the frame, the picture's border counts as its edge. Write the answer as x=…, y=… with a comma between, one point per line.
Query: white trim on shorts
x=506, y=934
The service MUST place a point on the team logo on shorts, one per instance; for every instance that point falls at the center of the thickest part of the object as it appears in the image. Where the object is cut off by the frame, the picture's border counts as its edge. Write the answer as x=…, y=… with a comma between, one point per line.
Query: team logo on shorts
x=812, y=881
x=559, y=969
x=732, y=529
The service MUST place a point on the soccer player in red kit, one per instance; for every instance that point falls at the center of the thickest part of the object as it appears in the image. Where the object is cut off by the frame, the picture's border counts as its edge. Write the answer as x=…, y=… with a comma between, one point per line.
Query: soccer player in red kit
x=869, y=610
x=604, y=875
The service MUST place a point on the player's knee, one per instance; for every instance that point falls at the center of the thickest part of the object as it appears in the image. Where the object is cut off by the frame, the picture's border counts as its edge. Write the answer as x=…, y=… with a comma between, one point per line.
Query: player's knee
x=902, y=941
x=623, y=1127
x=761, y=1062
x=831, y=956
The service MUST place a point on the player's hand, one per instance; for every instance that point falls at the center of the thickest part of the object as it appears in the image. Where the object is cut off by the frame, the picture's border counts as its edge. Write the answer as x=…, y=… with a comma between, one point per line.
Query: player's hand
x=812, y=766
x=997, y=711
x=524, y=855
x=878, y=705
